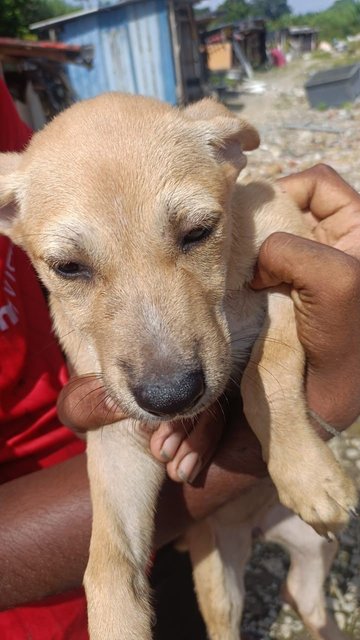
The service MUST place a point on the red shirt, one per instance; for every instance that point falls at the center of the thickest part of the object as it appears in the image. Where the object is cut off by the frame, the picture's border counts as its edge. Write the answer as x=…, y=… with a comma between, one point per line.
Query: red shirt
x=32, y=372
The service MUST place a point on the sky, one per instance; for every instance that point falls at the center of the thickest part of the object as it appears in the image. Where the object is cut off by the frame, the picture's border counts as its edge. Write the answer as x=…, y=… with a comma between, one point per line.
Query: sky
x=298, y=6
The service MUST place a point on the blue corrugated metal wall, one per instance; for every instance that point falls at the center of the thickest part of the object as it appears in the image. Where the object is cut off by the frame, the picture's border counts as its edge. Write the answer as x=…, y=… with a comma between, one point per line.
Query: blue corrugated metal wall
x=132, y=51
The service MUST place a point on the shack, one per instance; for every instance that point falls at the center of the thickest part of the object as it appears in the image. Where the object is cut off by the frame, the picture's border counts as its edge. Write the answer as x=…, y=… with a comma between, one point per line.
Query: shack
x=231, y=46
x=145, y=47
x=298, y=40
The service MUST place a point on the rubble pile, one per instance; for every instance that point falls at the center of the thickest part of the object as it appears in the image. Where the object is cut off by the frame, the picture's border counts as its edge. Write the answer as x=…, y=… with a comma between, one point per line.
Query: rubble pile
x=295, y=137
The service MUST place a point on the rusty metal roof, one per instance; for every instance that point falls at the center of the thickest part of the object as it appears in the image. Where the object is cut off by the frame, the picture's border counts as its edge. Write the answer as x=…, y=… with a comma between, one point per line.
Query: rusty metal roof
x=11, y=48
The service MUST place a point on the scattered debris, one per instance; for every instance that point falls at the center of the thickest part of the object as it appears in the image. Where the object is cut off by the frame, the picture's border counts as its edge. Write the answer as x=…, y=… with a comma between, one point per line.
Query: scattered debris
x=294, y=137
x=253, y=86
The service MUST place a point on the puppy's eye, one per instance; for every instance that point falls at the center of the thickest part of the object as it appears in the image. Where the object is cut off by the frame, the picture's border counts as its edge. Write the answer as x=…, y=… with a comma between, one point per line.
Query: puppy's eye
x=72, y=270
x=195, y=236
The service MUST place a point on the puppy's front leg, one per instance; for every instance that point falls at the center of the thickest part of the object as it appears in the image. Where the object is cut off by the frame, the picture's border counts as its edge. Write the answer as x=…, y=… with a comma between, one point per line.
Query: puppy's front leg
x=124, y=481
x=308, y=478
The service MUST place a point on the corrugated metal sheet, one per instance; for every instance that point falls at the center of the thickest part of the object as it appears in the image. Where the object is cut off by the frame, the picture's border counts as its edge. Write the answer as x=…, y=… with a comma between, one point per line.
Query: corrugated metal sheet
x=132, y=51
x=58, y=51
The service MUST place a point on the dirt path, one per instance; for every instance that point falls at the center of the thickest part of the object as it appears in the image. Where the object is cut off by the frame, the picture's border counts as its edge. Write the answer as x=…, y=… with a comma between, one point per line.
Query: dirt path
x=294, y=136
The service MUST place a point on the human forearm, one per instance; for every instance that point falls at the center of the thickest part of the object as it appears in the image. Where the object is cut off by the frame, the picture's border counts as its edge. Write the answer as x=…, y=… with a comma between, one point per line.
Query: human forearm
x=45, y=517
x=45, y=521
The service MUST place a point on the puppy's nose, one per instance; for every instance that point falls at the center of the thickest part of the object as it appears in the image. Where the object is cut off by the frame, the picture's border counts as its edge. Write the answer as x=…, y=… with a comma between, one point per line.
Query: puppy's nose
x=168, y=396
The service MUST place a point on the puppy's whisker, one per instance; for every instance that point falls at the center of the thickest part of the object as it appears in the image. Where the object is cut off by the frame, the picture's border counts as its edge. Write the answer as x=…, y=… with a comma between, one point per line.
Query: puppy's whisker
x=221, y=409
x=261, y=366
x=49, y=344
x=183, y=424
x=225, y=395
x=212, y=412
x=87, y=395
x=101, y=402
x=255, y=382
x=234, y=381
x=78, y=351
x=280, y=387
x=280, y=342
x=74, y=389
x=84, y=378
x=95, y=375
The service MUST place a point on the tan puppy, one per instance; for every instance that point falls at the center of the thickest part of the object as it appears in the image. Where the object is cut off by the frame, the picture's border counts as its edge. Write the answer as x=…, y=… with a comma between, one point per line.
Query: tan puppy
x=131, y=214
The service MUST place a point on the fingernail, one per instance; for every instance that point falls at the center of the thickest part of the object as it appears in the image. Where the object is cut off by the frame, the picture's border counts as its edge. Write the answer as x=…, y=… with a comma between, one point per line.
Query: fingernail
x=170, y=446
x=189, y=467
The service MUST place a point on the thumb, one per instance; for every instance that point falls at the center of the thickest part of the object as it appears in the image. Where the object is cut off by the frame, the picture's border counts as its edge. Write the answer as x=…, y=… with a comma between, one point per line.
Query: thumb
x=85, y=404
x=299, y=262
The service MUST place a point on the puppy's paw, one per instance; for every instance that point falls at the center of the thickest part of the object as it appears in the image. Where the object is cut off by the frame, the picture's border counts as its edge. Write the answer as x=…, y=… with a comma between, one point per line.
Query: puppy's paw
x=318, y=491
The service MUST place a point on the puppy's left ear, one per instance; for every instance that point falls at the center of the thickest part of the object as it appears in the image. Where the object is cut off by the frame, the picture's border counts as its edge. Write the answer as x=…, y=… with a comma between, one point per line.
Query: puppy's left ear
x=225, y=133
x=10, y=188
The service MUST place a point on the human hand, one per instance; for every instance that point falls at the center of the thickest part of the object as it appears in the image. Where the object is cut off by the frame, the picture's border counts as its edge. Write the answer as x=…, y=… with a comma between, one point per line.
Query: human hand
x=184, y=446
x=325, y=287
x=330, y=205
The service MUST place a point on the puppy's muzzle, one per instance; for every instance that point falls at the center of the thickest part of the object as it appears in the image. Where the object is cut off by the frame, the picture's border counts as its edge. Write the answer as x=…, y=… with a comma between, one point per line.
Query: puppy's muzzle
x=171, y=395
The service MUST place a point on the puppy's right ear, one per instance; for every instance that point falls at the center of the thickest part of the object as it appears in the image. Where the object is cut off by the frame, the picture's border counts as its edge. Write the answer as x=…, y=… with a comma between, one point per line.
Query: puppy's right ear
x=225, y=134
x=9, y=191
x=209, y=109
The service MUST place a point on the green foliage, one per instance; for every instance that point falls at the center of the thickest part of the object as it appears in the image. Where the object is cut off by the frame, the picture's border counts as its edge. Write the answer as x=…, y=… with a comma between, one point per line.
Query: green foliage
x=235, y=10
x=340, y=20
x=272, y=10
x=16, y=15
x=322, y=106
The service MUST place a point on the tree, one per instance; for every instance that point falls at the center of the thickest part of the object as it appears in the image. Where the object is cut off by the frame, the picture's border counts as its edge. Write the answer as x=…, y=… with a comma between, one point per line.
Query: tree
x=340, y=20
x=16, y=15
x=271, y=9
x=233, y=10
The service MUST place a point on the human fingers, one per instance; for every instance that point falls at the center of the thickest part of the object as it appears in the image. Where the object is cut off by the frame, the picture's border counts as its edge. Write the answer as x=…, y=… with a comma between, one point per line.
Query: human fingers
x=321, y=190
x=331, y=207
x=300, y=262
x=84, y=404
x=187, y=446
x=325, y=287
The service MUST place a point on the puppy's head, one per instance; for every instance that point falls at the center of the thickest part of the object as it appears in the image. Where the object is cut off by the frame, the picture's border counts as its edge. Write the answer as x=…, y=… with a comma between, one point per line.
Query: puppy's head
x=122, y=203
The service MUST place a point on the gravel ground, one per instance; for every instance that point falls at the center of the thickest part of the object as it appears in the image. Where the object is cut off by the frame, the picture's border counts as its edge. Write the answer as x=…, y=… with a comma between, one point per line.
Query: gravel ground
x=295, y=137
x=266, y=616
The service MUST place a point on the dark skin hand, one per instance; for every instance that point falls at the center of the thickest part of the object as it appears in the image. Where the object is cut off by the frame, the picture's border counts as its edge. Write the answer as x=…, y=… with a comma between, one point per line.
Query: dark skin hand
x=327, y=316
x=45, y=517
x=333, y=371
